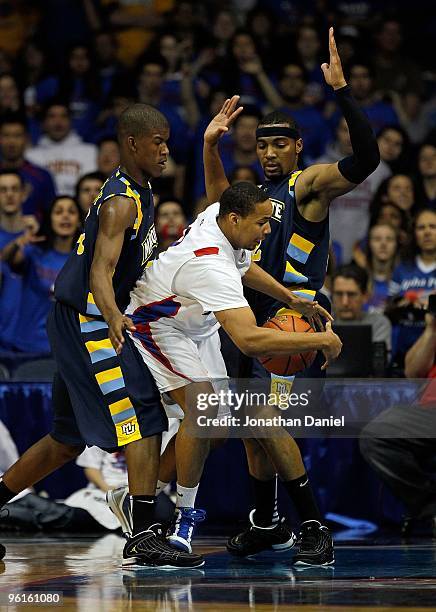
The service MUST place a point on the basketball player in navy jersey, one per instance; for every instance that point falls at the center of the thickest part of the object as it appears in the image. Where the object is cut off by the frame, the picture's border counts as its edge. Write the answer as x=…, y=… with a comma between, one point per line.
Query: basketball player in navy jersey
x=103, y=394
x=296, y=254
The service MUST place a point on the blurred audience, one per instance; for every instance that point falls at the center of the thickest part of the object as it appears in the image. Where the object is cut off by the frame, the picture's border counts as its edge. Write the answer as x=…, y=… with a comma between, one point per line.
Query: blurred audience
x=349, y=296
x=87, y=189
x=39, y=258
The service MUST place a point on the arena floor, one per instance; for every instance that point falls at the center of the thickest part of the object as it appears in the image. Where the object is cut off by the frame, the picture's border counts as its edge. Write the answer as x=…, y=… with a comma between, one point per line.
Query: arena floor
x=85, y=572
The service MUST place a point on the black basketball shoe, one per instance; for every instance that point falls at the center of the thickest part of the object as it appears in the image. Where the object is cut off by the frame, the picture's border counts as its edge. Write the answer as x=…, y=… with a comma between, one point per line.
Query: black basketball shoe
x=149, y=548
x=2, y=551
x=256, y=539
x=315, y=545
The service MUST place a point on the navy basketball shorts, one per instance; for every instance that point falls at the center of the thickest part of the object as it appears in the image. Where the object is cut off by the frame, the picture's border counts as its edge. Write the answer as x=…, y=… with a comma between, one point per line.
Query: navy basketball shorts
x=100, y=398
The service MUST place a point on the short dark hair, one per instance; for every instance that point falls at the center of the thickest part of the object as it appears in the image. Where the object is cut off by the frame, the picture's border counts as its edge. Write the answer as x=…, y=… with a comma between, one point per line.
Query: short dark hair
x=13, y=118
x=7, y=171
x=278, y=118
x=106, y=139
x=139, y=119
x=57, y=101
x=241, y=199
x=93, y=176
x=356, y=273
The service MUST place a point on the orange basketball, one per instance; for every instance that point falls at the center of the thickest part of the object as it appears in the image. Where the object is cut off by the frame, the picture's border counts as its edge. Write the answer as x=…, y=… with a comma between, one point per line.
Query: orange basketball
x=288, y=365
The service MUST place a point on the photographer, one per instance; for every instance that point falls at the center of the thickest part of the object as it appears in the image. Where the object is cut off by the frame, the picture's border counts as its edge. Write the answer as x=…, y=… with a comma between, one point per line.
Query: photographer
x=407, y=463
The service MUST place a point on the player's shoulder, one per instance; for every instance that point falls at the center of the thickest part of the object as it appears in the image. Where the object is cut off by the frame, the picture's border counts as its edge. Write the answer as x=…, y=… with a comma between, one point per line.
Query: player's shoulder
x=118, y=184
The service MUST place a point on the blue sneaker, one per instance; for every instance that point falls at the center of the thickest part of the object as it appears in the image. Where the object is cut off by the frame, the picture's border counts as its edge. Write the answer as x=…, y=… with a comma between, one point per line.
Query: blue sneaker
x=182, y=528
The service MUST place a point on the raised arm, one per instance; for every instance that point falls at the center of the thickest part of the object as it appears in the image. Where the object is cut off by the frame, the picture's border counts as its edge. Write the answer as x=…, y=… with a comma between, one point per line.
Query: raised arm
x=319, y=184
x=215, y=177
x=115, y=217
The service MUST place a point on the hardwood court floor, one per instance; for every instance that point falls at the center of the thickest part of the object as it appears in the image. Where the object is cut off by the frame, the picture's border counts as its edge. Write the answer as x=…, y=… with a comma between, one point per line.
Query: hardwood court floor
x=86, y=572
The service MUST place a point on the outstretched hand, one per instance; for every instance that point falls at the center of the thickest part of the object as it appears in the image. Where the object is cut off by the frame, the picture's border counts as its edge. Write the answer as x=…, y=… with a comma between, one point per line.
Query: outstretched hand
x=333, y=73
x=222, y=121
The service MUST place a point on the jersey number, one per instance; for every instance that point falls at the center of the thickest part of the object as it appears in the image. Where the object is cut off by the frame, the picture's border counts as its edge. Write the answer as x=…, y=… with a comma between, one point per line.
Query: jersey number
x=80, y=245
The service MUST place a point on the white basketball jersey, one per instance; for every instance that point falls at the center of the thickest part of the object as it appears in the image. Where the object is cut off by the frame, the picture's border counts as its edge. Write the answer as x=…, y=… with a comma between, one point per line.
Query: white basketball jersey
x=197, y=276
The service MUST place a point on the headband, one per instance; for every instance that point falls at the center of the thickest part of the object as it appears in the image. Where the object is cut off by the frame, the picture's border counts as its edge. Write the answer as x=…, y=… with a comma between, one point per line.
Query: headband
x=264, y=132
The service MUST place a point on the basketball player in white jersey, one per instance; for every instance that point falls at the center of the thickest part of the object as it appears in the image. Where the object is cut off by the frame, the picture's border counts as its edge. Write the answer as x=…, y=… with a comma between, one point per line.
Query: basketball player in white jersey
x=180, y=302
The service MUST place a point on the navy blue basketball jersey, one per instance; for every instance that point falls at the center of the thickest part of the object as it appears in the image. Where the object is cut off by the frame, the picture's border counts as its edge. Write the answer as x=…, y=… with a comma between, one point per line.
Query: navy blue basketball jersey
x=72, y=284
x=295, y=252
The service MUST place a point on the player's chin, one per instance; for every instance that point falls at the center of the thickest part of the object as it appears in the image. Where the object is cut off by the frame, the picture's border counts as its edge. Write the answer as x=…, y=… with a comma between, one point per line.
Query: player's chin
x=271, y=173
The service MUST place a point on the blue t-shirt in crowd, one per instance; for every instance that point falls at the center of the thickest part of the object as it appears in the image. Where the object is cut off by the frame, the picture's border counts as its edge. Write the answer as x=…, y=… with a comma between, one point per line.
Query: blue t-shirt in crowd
x=41, y=269
x=414, y=280
x=10, y=295
x=378, y=297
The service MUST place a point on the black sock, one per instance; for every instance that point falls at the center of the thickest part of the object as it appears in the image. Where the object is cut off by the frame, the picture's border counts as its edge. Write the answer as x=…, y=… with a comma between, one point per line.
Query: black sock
x=265, y=497
x=300, y=491
x=143, y=507
x=5, y=494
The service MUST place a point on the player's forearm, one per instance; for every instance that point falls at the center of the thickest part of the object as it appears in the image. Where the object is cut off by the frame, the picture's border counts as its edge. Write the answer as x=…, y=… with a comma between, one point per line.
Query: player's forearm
x=261, y=281
x=100, y=284
x=266, y=341
x=214, y=175
x=420, y=357
x=366, y=156
x=269, y=91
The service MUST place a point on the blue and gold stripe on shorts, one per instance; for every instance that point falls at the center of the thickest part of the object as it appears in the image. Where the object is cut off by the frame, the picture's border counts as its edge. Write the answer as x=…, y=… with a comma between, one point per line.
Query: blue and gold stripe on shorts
x=292, y=276
x=91, y=308
x=105, y=365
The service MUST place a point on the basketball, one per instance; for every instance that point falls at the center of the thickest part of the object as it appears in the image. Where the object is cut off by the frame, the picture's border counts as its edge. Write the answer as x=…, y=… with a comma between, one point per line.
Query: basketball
x=285, y=365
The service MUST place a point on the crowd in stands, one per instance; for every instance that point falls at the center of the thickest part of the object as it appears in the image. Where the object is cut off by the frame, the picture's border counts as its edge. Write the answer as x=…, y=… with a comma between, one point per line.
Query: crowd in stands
x=69, y=67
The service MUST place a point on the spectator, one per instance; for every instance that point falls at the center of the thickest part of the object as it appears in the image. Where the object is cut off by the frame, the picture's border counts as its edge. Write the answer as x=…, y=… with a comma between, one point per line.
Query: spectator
x=12, y=225
x=427, y=175
x=349, y=295
x=87, y=189
x=406, y=464
x=81, y=90
x=412, y=282
x=379, y=113
x=39, y=81
x=237, y=149
x=61, y=151
x=380, y=259
x=39, y=259
x=392, y=215
x=314, y=129
x=349, y=214
x=237, y=74
x=309, y=48
x=394, y=71
x=223, y=29
x=10, y=96
x=110, y=70
x=393, y=144
x=38, y=184
x=244, y=173
x=170, y=222
x=397, y=189
x=150, y=91
x=108, y=156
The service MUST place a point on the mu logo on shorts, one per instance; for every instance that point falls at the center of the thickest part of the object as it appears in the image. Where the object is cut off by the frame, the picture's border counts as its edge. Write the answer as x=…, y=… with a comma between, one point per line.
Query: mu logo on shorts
x=128, y=429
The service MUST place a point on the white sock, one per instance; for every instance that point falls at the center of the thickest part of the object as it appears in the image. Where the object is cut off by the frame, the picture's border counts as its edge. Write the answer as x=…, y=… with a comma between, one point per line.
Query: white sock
x=186, y=496
x=160, y=486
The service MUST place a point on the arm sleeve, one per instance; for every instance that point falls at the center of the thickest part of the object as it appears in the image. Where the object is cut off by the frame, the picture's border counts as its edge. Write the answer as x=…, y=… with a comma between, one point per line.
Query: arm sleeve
x=211, y=282
x=366, y=156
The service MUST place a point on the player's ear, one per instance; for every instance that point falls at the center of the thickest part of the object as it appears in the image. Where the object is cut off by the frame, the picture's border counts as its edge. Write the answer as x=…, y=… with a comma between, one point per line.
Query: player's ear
x=299, y=145
x=132, y=143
